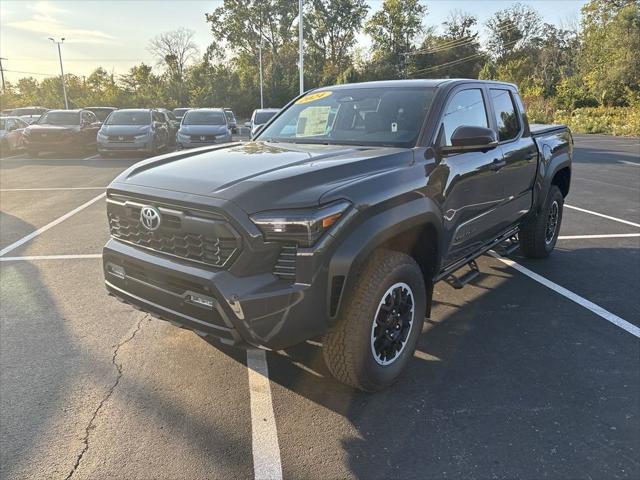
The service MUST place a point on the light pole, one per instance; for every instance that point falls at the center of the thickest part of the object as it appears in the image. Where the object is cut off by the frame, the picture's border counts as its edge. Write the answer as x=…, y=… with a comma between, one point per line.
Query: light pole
x=2, y=72
x=300, y=46
x=64, y=89
x=260, y=61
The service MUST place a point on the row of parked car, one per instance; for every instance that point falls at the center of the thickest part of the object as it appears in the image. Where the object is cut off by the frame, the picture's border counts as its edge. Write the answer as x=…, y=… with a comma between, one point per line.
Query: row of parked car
x=111, y=130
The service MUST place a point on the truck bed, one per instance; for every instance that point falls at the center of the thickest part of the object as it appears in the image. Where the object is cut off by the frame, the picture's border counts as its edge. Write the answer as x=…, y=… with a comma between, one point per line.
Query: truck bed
x=539, y=129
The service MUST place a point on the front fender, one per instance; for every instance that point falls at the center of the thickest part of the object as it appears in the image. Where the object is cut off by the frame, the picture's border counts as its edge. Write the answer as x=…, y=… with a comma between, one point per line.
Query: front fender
x=370, y=234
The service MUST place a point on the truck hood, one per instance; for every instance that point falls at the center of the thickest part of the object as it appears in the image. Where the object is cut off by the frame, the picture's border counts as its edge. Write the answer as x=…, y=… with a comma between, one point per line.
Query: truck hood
x=258, y=176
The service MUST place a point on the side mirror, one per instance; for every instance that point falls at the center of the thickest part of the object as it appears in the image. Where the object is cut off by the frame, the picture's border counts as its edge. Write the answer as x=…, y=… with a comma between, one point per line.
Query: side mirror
x=247, y=124
x=469, y=138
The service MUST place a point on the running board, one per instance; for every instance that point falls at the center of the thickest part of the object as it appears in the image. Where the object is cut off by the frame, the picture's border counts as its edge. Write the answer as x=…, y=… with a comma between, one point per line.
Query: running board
x=462, y=280
x=447, y=272
x=508, y=246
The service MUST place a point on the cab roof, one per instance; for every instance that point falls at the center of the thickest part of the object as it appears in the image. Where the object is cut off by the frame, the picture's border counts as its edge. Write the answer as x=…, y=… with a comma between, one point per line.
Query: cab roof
x=424, y=83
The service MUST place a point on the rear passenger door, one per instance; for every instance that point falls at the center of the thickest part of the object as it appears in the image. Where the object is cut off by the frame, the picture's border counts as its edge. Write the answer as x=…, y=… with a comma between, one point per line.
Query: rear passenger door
x=519, y=155
x=467, y=180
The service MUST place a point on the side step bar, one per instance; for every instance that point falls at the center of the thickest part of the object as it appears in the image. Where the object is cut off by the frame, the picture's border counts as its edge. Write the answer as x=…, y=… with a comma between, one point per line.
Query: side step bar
x=462, y=280
x=446, y=273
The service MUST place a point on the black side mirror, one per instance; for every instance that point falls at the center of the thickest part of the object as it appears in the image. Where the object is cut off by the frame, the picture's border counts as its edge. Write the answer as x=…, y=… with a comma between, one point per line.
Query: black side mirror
x=469, y=138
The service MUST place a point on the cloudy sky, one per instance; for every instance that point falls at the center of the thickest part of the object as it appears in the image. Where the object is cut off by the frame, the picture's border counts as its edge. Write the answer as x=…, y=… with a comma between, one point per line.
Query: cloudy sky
x=115, y=33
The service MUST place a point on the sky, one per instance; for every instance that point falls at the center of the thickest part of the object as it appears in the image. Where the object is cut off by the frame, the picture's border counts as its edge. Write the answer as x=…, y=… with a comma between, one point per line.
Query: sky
x=115, y=34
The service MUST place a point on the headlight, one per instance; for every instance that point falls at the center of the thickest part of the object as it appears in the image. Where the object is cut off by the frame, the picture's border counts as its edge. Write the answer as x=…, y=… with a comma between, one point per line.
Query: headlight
x=304, y=227
x=141, y=136
x=182, y=136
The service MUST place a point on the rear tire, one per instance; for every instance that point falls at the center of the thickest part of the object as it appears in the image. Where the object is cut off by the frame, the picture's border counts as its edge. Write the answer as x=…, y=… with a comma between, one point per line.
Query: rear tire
x=380, y=322
x=539, y=234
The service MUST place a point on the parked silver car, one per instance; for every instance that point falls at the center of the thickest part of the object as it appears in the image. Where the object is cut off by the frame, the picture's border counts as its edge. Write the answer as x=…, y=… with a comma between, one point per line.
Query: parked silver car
x=11, y=132
x=141, y=130
x=29, y=114
x=259, y=117
x=203, y=126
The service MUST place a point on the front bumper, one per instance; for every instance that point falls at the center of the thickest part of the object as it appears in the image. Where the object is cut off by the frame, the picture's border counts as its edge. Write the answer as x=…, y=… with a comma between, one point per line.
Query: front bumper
x=183, y=143
x=134, y=146
x=259, y=310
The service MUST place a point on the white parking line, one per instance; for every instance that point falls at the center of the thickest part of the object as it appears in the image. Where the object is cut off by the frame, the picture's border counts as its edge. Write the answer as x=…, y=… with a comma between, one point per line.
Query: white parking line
x=626, y=162
x=574, y=297
x=264, y=436
x=92, y=157
x=49, y=189
x=626, y=222
x=586, y=237
x=49, y=257
x=49, y=225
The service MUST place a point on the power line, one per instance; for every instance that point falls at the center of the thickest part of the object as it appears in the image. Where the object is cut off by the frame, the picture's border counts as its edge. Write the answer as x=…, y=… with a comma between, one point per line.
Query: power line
x=455, y=43
x=457, y=61
x=33, y=73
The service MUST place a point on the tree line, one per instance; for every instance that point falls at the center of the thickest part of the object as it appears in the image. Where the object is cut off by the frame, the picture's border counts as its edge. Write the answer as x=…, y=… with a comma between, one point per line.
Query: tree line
x=594, y=63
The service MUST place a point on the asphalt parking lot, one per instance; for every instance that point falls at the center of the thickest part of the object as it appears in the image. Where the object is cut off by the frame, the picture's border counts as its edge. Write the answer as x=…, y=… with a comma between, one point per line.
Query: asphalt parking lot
x=530, y=372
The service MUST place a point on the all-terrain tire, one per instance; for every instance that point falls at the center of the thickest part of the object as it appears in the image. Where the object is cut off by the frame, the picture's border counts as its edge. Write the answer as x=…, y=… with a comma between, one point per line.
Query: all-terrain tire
x=539, y=234
x=348, y=348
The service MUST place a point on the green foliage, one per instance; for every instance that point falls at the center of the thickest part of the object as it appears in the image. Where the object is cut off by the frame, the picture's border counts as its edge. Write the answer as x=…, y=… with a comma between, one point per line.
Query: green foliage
x=588, y=78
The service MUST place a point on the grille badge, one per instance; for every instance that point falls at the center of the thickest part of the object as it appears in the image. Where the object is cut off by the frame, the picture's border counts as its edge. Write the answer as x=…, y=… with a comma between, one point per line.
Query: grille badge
x=150, y=218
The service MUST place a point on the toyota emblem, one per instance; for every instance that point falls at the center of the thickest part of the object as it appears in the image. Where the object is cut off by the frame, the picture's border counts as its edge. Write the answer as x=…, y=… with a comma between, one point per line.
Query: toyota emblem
x=150, y=218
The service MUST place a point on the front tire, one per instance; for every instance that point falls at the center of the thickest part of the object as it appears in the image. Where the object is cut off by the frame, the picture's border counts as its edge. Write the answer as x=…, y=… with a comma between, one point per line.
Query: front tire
x=380, y=323
x=539, y=234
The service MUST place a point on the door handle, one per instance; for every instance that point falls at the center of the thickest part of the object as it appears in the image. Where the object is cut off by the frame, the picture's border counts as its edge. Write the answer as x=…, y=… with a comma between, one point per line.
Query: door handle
x=497, y=164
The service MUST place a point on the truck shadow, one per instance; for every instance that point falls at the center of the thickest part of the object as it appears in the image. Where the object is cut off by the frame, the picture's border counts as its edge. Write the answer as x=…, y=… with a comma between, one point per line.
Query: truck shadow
x=489, y=393
x=38, y=359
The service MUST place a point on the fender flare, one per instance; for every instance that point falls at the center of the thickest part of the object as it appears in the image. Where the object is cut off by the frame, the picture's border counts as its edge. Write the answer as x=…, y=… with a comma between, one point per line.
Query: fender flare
x=354, y=250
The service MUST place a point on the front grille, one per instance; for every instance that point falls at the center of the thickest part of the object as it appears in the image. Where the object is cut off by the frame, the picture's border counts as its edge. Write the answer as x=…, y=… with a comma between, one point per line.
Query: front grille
x=285, y=267
x=205, y=239
x=121, y=138
x=203, y=138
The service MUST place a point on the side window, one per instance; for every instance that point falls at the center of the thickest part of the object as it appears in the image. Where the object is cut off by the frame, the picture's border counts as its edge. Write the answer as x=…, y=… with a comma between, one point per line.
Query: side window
x=506, y=114
x=157, y=117
x=465, y=108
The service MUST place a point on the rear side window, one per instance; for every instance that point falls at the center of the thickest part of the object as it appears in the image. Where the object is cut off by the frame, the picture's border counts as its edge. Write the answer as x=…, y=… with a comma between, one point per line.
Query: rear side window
x=506, y=114
x=465, y=108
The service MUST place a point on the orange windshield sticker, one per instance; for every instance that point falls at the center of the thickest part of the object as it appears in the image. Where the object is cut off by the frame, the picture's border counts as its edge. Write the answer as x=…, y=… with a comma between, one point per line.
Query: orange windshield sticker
x=312, y=97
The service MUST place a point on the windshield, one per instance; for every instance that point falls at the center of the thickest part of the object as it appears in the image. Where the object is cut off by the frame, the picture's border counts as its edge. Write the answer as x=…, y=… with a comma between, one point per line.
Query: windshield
x=204, y=118
x=180, y=111
x=263, y=117
x=389, y=116
x=101, y=113
x=229, y=116
x=140, y=117
x=60, y=118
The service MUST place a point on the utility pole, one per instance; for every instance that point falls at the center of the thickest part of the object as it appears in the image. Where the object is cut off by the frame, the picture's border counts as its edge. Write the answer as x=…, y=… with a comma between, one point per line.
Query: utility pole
x=2, y=71
x=64, y=89
x=260, y=61
x=300, y=46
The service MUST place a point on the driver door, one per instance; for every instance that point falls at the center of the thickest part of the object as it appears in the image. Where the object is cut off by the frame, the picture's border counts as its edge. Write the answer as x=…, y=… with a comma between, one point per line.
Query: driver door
x=467, y=181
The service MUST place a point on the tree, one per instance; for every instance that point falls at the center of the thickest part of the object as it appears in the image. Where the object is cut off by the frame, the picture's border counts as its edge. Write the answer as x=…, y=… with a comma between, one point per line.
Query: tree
x=241, y=26
x=331, y=27
x=454, y=54
x=393, y=30
x=175, y=50
x=609, y=61
x=513, y=30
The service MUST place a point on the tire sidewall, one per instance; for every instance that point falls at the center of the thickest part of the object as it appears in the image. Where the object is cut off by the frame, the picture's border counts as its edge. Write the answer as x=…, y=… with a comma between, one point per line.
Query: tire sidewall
x=380, y=376
x=554, y=195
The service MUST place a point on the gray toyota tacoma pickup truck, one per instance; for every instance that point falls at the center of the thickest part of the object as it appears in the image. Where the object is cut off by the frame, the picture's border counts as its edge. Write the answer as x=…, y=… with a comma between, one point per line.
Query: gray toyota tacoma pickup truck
x=338, y=217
